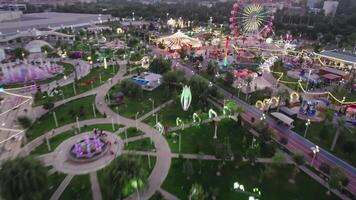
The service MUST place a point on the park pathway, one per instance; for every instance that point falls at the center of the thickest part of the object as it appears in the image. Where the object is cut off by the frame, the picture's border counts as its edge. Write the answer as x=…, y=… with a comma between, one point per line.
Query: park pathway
x=95, y=187
x=163, y=162
x=62, y=187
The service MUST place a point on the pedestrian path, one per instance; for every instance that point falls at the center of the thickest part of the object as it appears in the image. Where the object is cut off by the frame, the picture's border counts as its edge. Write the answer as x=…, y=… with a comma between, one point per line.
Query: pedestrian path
x=95, y=187
x=62, y=187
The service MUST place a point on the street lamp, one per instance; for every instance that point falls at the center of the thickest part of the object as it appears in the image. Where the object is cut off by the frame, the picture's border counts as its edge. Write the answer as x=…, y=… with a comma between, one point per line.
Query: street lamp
x=153, y=105
x=315, y=151
x=136, y=119
x=254, y=195
x=306, y=127
x=263, y=117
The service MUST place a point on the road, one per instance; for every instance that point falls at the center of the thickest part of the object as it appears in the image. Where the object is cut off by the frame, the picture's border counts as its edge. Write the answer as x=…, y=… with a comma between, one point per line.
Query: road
x=296, y=143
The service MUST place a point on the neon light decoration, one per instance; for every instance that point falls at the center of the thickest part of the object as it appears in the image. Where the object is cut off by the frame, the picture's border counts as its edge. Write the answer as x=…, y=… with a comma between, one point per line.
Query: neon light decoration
x=250, y=18
x=159, y=128
x=186, y=98
x=212, y=114
x=226, y=50
x=180, y=123
x=196, y=118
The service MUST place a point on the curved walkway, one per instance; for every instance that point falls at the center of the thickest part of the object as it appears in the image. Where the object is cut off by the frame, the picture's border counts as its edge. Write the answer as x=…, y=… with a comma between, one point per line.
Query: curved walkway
x=163, y=153
x=163, y=162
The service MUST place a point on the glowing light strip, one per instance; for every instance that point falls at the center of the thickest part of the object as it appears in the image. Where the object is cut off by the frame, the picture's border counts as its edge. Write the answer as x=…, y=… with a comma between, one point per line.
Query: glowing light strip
x=19, y=88
x=313, y=93
x=29, y=98
x=13, y=136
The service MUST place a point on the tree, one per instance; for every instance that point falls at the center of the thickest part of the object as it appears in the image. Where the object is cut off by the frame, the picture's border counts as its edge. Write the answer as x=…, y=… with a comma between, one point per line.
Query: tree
x=130, y=89
x=21, y=53
x=299, y=160
x=228, y=79
x=196, y=192
x=48, y=105
x=126, y=174
x=349, y=147
x=174, y=78
x=212, y=68
x=340, y=127
x=24, y=122
x=234, y=108
x=283, y=95
x=160, y=65
x=337, y=179
x=199, y=88
x=278, y=159
x=23, y=178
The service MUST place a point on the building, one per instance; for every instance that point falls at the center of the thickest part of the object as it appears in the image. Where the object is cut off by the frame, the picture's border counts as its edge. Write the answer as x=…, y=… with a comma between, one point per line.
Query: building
x=35, y=46
x=10, y=15
x=314, y=4
x=52, y=20
x=13, y=7
x=330, y=8
x=338, y=59
x=58, y=2
x=24, y=37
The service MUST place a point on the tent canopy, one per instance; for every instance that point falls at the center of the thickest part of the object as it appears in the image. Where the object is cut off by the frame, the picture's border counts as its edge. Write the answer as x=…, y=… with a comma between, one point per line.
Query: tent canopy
x=178, y=40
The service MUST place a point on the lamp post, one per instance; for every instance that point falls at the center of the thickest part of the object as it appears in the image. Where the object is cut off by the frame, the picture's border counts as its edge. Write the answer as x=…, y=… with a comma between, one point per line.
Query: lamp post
x=78, y=125
x=315, y=151
x=55, y=118
x=263, y=117
x=254, y=195
x=306, y=127
x=136, y=119
x=153, y=105
x=118, y=116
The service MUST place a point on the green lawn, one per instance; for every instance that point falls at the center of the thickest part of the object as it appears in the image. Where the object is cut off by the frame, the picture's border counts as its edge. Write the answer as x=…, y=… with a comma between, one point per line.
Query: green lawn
x=131, y=132
x=167, y=116
x=140, y=145
x=55, y=180
x=84, y=84
x=78, y=188
x=131, y=106
x=57, y=140
x=66, y=114
x=200, y=138
x=204, y=173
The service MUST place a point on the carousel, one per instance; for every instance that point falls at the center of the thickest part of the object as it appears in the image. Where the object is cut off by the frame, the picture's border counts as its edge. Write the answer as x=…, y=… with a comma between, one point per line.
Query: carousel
x=178, y=41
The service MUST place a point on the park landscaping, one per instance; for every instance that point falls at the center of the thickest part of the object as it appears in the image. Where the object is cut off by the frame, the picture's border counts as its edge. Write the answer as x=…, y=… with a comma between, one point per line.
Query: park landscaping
x=57, y=140
x=65, y=114
x=90, y=81
x=141, y=104
x=273, y=184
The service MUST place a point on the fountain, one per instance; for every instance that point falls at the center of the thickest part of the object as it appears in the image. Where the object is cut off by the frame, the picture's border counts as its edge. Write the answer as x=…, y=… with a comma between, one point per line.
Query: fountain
x=89, y=149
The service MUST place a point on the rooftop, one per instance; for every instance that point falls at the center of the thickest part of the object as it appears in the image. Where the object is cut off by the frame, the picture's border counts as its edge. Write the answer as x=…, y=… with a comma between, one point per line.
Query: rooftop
x=50, y=19
x=339, y=55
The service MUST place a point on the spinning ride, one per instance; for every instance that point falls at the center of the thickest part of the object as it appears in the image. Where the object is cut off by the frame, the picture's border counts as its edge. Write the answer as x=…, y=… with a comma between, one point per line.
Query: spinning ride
x=249, y=18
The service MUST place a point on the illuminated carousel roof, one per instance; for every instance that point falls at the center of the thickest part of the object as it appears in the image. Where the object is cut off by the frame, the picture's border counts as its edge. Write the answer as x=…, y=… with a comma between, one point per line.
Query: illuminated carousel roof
x=178, y=40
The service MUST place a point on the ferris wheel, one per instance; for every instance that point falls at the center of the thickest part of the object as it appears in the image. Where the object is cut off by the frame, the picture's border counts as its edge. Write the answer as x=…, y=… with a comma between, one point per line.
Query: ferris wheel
x=251, y=19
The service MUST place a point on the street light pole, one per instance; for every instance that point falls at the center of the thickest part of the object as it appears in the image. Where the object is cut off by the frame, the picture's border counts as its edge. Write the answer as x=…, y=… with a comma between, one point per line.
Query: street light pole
x=136, y=119
x=78, y=125
x=306, y=127
x=153, y=106
x=55, y=118
x=315, y=150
